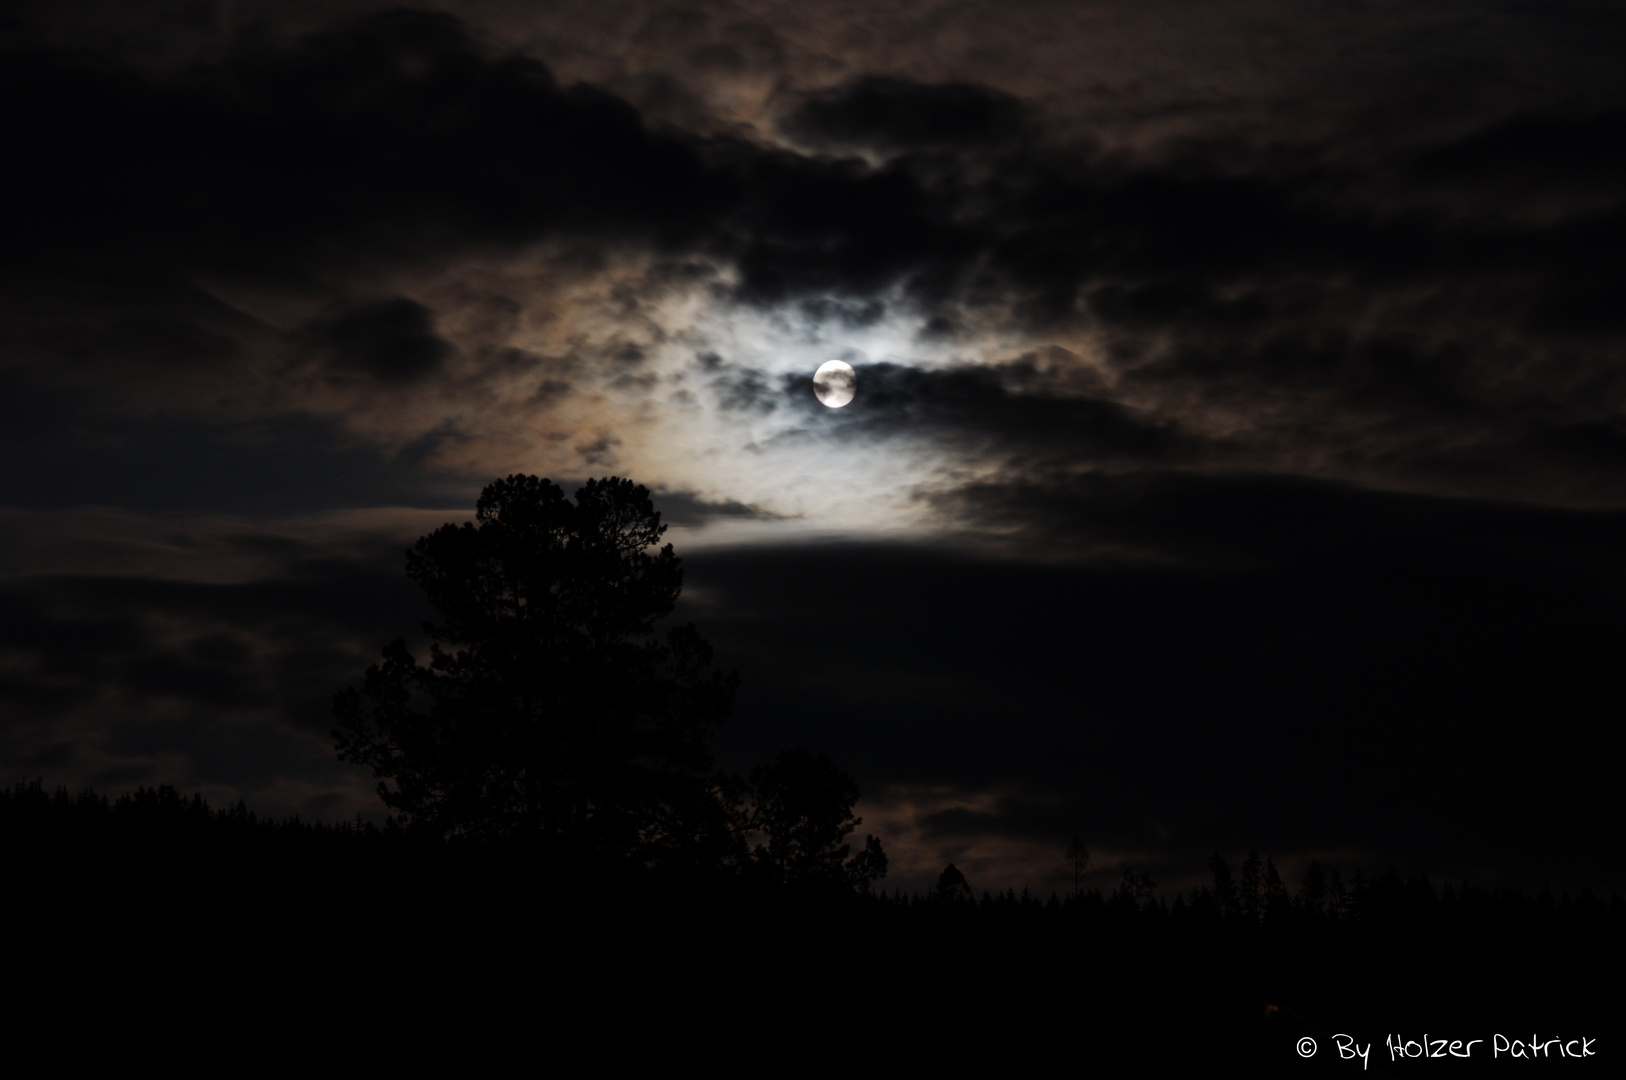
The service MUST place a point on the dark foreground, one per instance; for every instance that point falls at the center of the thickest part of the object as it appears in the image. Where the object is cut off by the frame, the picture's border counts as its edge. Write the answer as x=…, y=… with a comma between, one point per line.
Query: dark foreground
x=339, y=950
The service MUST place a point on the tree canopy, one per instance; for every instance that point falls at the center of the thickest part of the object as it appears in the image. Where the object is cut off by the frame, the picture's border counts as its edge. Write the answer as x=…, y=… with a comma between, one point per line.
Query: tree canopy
x=803, y=805
x=551, y=711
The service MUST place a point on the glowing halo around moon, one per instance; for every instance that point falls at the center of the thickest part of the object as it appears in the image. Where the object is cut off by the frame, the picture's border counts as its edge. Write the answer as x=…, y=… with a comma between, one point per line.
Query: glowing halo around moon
x=835, y=383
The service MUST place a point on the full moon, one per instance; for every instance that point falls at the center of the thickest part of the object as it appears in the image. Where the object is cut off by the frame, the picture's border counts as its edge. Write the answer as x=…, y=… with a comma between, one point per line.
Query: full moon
x=835, y=383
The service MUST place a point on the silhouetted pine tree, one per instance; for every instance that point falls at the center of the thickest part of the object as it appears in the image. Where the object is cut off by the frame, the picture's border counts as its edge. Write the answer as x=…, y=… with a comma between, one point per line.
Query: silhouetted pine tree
x=1225, y=893
x=952, y=888
x=803, y=805
x=1313, y=890
x=1277, y=904
x=1251, y=891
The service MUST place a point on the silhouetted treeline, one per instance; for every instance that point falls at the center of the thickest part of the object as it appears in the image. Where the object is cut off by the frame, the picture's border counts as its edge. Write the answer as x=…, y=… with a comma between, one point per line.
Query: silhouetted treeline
x=159, y=831
x=160, y=821
x=151, y=822
x=1121, y=980
x=1384, y=902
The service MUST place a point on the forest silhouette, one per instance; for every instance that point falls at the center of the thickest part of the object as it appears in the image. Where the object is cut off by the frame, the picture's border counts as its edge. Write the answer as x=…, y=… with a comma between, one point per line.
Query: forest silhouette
x=551, y=796
x=1226, y=975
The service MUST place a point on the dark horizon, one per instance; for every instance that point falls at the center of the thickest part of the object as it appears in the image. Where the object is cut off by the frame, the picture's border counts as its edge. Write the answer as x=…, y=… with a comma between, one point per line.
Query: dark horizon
x=1238, y=453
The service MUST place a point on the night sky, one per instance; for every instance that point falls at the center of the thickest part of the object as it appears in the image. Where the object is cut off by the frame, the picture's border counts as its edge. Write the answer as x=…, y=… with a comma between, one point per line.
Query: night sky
x=1239, y=450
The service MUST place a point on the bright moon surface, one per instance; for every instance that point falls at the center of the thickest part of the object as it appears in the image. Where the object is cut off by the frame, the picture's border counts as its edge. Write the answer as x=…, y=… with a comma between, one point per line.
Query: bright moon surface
x=835, y=382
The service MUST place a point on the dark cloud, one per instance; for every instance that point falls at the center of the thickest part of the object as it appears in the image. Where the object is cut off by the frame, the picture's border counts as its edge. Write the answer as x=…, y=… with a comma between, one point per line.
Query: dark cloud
x=1398, y=373
x=813, y=227
x=686, y=508
x=1594, y=450
x=1231, y=521
x=90, y=324
x=278, y=465
x=1307, y=667
x=398, y=135
x=1568, y=151
x=392, y=340
x=128, y=680
x=389, y=137
x=894, y=114
x=1010, y=817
